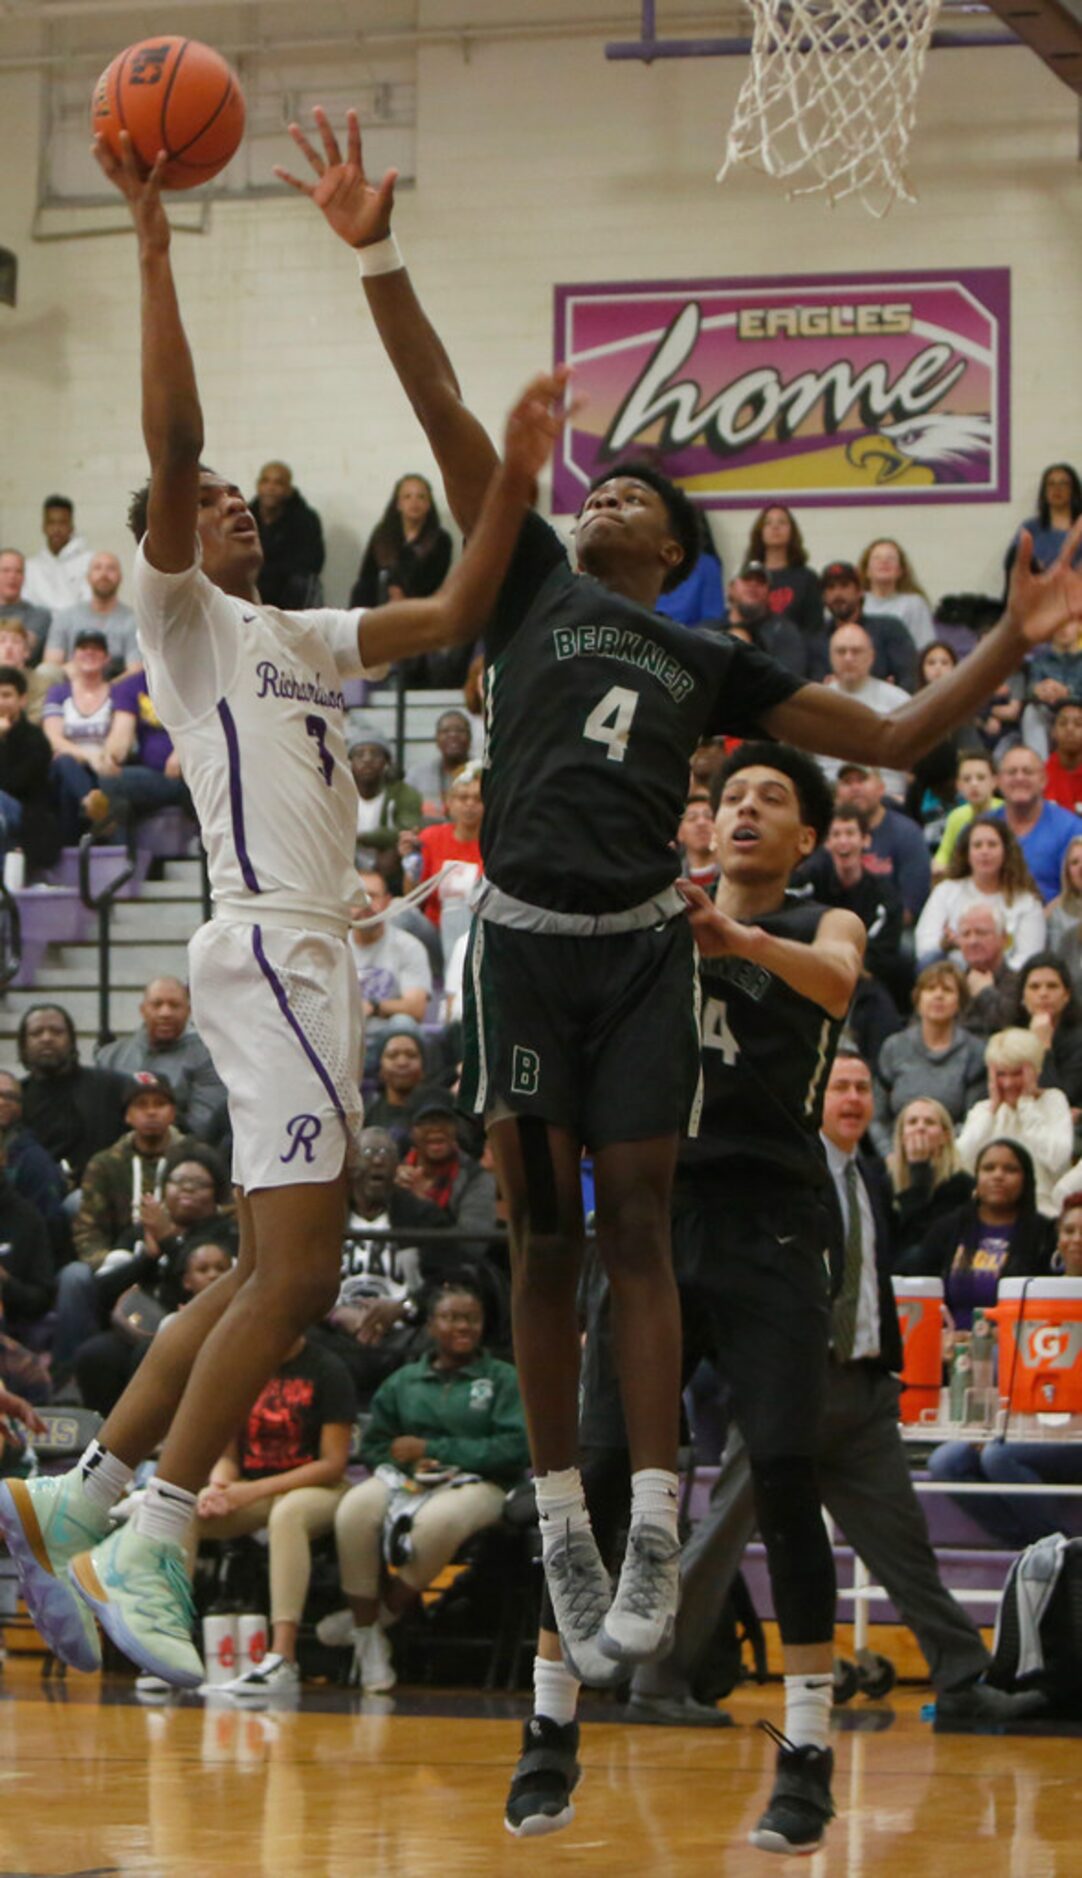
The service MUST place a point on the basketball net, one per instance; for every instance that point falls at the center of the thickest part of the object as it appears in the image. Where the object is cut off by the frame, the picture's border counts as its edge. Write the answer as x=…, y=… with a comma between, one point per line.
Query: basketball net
x=832, y=94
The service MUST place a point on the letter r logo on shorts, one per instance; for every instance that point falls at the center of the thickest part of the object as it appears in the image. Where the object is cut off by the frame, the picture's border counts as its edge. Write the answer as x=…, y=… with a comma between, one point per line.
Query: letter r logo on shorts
x=303, y=1131
x=525, y=1071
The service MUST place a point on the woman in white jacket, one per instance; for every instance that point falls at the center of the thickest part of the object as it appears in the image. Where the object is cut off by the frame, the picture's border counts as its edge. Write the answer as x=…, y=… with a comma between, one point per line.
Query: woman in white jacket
x=1018, y=1109
x=987, y=867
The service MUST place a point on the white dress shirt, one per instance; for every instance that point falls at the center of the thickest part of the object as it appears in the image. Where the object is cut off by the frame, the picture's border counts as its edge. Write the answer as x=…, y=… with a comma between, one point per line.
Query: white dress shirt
x=866, y=1341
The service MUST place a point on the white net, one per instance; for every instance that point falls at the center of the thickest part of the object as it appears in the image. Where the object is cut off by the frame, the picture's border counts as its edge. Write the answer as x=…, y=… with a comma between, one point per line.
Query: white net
x=831, y=95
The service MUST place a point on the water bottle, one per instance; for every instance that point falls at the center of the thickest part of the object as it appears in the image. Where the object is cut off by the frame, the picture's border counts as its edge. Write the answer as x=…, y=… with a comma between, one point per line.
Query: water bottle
x=961, y=1380
x=14, y=870
x=982, y=1351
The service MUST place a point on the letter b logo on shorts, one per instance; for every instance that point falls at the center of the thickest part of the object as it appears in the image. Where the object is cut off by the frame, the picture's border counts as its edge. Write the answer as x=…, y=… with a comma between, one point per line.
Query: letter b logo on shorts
x=525, y=1071
x=303, y=1131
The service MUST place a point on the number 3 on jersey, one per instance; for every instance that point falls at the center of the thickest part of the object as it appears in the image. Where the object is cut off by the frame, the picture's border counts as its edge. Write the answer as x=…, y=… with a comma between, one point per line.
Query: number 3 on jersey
x=716, y=1032
x=610, y=721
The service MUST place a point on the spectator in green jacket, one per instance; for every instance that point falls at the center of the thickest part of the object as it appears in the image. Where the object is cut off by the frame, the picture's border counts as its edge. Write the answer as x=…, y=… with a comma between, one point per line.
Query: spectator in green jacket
x=446, y=1439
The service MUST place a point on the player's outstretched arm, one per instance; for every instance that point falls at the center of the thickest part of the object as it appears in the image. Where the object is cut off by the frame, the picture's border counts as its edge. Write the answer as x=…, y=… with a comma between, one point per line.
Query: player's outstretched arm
x=172, y=418
x=826, y=972
x=822, y=719
x=359, y=212
x=457, y=613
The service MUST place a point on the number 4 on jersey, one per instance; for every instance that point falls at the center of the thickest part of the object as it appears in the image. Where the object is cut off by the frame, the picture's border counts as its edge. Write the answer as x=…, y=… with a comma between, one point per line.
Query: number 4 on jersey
x=610, y=721
x=716, y=1032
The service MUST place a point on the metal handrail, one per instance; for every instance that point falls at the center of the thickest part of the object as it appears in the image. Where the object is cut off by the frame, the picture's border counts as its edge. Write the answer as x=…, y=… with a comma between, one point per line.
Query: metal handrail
x=13, y=946
x=102, y=904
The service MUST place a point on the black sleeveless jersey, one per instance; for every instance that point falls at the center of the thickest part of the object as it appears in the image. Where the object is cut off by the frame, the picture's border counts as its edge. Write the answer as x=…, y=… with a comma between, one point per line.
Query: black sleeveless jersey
x=766, y=1056
x=593, y=706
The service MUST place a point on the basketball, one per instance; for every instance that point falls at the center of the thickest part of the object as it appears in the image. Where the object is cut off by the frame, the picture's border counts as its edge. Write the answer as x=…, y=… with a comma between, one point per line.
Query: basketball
x=175, y=95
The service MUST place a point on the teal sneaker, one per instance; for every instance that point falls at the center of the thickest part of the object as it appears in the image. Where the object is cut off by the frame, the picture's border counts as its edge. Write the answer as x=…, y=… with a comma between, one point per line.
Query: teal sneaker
x=139, y=1592
x=46, y=1522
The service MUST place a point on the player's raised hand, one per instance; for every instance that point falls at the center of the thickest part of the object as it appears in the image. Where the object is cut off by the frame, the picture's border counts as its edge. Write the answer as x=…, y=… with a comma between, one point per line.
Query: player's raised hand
x=141, y=192
x=716, y=933
x=358, y=211
x=535, y=422
x=1039, y=604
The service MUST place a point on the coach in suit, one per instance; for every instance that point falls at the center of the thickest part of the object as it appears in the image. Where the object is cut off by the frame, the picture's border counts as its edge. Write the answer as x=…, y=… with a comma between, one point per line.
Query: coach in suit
x=864, y=1476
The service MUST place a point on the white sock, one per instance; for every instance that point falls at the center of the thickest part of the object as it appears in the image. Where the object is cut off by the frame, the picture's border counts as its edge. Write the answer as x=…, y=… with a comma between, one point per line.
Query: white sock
x=655, y=1496
x=808, y=1702
x=555, y=1691
x=104, y=1478
x=165, y=1513
x=561, y=1503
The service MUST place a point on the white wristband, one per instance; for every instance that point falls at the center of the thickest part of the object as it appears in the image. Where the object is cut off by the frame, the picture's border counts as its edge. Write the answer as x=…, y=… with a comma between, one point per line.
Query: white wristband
x=382, y=257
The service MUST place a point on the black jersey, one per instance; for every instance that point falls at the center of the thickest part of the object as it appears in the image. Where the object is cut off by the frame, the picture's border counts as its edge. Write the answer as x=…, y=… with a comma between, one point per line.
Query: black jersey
x=766, y=1056
x=593, y=706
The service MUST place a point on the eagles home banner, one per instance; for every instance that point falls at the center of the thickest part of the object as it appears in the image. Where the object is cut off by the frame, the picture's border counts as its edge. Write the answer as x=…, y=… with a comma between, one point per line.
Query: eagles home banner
x=837, y=388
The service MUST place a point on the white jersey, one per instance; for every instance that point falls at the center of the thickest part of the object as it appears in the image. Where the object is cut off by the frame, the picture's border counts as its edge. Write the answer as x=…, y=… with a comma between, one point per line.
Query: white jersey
x=252, y=699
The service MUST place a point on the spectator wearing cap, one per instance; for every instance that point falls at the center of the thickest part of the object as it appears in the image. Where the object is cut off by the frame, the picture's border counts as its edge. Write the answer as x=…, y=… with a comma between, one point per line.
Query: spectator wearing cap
x=436, y=1169
x=142, y=773
x=77, y=716
x=384, y=806
x=291, y=536
x=103, y=612
x=895, y=655
x=167, y=1044
x=433, y=777
x=15, y=650
x=851, y=657
x=895, y=848
x=27, y=818
x=698, y=600
x=17, y=611
x=56, y=574
x=116, y=1179
x=751, y=617
x=394, y=974
x=73, y=1111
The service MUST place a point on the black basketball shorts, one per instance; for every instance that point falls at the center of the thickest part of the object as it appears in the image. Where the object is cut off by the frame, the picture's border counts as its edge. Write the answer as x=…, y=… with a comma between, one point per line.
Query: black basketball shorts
x=597, y=1035
x=755, y=1297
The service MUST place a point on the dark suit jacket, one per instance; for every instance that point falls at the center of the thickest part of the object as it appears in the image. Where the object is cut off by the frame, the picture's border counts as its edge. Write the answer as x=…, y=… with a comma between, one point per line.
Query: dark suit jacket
x=877, y=1185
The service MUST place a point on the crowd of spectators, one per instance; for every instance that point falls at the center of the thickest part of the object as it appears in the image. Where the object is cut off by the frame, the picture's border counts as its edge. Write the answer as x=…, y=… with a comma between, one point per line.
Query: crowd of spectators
x=114, y=1188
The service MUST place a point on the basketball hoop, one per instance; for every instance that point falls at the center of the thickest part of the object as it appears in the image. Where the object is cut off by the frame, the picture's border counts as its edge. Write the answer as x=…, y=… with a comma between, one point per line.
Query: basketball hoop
x=832, y=95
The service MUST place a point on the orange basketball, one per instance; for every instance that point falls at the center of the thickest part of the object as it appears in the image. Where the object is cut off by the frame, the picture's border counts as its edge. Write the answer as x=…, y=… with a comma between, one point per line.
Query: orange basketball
x=175, y=95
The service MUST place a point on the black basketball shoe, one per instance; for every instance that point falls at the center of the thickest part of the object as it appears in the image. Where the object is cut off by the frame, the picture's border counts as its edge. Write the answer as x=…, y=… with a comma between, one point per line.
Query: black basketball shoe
x=800, y=1806
x=544, y=1780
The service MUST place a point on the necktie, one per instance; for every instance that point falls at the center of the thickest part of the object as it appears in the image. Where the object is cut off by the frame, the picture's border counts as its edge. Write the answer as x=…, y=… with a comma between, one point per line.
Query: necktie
x=845, y=1304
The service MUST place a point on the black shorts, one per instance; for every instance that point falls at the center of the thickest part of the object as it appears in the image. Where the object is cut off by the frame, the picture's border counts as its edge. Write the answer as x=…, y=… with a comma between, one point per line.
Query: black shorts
x=597, y=1035
x=755, y=1294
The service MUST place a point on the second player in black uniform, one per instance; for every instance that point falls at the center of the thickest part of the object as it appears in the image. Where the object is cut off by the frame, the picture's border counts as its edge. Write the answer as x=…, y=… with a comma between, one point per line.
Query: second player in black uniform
x=749, y=1248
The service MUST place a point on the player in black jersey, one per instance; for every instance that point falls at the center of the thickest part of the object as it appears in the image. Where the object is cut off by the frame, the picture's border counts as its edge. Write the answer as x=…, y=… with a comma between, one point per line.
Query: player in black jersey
x=749, y=1239
x=580, y=977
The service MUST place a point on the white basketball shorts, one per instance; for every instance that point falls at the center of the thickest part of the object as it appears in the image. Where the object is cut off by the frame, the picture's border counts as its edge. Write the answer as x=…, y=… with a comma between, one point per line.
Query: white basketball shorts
x=280, y=1012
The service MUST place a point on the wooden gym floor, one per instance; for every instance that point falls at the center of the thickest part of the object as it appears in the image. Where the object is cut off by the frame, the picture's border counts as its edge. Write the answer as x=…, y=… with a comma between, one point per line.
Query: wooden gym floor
x=92, y=1783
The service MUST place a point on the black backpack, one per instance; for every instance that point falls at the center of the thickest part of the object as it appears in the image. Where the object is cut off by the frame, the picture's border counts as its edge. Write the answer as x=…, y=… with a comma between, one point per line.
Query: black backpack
x=1038, y=1643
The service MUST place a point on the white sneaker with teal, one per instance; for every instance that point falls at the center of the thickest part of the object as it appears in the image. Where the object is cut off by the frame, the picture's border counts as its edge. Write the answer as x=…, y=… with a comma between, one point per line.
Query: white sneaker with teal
x=139, y=1592
x=373, y=1666
x=46, y=1522
x=275, y=1679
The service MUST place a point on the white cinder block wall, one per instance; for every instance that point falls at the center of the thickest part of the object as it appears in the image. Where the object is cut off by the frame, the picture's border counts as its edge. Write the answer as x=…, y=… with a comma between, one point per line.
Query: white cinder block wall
x=537, y=162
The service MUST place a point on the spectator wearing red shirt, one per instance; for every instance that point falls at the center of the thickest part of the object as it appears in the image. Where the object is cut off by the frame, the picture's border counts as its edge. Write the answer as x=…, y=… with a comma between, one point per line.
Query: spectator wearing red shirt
x=454, y=840
x=1063, y=771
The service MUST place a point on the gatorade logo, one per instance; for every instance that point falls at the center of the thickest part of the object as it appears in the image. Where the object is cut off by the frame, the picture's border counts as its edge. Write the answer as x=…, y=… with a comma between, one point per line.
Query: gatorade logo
x=525, y=1071
x=1050, y=1346
x=910, y=1312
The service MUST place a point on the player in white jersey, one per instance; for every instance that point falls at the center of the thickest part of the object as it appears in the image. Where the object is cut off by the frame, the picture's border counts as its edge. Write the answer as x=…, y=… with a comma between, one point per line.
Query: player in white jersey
x=252, y=699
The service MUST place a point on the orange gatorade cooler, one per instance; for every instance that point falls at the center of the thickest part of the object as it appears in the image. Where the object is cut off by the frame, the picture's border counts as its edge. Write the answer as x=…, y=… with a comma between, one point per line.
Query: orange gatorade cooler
x=920, y=1314
x=1040, y=1344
